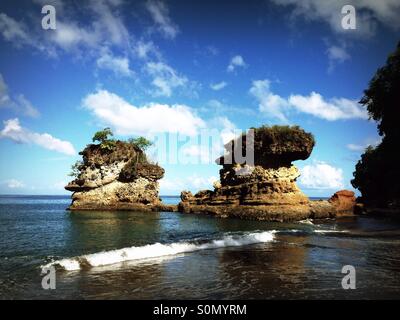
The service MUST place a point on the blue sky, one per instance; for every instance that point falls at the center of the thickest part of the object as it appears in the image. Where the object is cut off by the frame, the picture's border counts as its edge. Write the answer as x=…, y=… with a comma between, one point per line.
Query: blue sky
x=179, y=69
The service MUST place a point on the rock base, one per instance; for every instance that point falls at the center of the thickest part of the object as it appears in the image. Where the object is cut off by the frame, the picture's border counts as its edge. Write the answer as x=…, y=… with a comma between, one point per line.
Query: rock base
x=298, y=208
x=142, y=194
x=320, y=209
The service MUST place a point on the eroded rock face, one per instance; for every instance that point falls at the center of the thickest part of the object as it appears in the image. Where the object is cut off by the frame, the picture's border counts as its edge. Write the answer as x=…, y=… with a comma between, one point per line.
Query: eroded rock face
x=119, y=179
x=266, y=189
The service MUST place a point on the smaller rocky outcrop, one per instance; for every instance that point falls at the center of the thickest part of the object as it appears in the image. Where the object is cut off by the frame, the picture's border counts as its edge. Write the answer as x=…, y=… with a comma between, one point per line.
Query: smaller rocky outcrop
x=344, y=201
x=115, y=178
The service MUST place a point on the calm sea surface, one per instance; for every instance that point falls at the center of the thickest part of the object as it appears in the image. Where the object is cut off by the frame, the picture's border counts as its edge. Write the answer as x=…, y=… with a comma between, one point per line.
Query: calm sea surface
x=125, y=255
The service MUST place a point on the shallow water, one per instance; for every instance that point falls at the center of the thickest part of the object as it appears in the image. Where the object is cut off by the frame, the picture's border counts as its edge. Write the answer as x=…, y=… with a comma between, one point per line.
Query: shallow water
x=213, y=258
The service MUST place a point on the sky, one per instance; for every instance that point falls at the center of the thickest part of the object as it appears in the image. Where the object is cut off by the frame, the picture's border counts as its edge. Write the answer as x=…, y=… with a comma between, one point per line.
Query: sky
x=189, y=75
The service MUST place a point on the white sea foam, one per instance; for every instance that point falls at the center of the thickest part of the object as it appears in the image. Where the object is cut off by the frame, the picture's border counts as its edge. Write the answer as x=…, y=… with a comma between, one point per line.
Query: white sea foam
x=330, y=231
x=158, y=250
x=307, y=221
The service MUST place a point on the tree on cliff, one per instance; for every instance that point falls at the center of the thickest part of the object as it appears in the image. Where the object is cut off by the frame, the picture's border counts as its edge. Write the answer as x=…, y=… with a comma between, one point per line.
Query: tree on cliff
x=141, y=142
x=104, y=137
x=377, y=174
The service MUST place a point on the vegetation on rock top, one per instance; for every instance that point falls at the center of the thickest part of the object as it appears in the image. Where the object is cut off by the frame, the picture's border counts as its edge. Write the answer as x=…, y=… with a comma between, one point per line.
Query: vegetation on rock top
x=109, y=151
x=275, y=146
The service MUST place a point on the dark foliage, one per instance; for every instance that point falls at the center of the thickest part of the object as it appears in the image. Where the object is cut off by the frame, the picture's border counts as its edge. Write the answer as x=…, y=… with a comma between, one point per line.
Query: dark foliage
x=377, y=174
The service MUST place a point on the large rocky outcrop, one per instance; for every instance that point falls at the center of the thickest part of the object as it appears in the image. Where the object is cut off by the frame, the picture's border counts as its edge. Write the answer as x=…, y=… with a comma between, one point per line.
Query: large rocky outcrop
x=266, y=188
x=117, y=179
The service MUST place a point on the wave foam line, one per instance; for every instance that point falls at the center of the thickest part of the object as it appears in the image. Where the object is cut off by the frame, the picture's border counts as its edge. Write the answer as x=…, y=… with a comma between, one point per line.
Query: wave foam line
x=158, y=250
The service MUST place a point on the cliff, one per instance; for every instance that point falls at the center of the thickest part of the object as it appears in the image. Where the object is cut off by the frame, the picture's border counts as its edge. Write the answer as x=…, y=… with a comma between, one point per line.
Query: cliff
x=119, y=177
x=265, y=189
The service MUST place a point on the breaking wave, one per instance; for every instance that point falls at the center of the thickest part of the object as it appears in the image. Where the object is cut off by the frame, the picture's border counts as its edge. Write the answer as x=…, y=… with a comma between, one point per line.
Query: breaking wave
x=157, y=250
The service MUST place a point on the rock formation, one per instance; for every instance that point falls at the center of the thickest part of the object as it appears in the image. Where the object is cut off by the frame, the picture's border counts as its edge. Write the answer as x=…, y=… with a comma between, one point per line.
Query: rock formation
x=265, y=189
x=344, y=201
x=120, y=178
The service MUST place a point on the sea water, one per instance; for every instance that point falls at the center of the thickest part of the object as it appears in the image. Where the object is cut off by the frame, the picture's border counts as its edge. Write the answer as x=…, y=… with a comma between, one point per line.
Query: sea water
x=142, y=255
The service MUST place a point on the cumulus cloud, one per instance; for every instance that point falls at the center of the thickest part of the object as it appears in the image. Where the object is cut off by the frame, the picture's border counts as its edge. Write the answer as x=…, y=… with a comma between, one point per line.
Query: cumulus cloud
x=236, y=61
x=277, y=107
x=119, y=65
x=321, y=175
x=218, y=86
x=270, y=104
x=331, y=109
x=128, y=119
x=12, y=130
x=368, y=13
x=336, y=55
x=165, y=78
x=160, y=15
x=18, y=104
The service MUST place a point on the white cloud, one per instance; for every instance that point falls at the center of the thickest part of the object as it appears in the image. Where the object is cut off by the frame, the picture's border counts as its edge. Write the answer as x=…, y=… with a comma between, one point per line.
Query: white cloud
x=218, y=86
x=270, y=104
x=332, y=109
x=275, y=106
x=160, y=15
x=368, y=12
x=144, y=49
x=336, y=55
x=321, y=175
x=69, y=36
x=103, y=26
x=128, y=119
x=228, y=129
x=14, y=184
x=165, y=78
x=361, y=147
x=26, y=107
x=210, y=146
x=13, y=131
x=236, y=61
x=119, y=65
x=17, y=32
x=218, y=108
x=19, y=104
x=106, y=27
x=356, y=147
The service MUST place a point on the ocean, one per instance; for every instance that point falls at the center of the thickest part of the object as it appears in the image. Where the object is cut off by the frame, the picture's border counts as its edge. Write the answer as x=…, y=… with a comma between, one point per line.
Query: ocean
x=128, y=255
